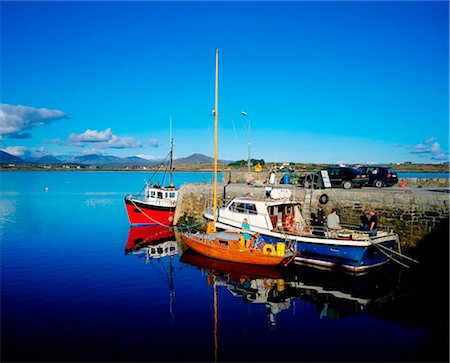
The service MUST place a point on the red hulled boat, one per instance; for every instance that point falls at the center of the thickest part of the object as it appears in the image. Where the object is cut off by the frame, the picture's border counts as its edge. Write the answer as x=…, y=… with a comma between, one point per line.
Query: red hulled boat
x=156, y=206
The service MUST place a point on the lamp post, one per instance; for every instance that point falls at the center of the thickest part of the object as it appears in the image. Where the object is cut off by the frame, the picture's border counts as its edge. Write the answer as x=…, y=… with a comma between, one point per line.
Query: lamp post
x=248, y=160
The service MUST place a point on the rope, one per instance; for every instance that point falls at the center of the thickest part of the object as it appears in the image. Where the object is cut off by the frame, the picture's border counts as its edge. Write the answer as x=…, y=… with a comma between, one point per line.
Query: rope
x=145, y=214
x=389, y=256
x=399, y=254
x=156, y=171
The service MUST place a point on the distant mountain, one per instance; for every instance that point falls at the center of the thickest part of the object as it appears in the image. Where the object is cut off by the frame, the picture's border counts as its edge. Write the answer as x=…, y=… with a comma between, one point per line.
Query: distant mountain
x=102, y=160
x=46, y=159
x=6, y=158
x=93, y=159
x=198, y=159
x=111, y=161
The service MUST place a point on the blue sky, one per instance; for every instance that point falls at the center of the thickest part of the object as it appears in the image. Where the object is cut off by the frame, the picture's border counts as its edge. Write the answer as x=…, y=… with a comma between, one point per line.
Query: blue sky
x=351, y=82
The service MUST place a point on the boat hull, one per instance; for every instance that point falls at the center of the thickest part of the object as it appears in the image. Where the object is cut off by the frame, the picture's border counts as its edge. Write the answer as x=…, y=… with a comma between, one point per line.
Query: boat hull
x=352, y=258
x=233, y=255
x=141, y=213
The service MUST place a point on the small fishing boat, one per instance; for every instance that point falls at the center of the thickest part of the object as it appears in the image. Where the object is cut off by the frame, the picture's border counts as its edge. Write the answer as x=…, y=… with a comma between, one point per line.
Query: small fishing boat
x=232, y=246
x=279, y=218
x=156, y=205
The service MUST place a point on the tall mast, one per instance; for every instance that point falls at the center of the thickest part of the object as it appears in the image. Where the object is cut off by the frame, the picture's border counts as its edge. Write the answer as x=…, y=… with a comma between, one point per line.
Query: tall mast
x=171, y=153
x=216, y=126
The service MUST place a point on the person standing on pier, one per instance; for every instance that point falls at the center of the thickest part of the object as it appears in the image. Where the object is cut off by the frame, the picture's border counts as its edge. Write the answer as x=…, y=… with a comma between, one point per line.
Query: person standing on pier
x=373, y=223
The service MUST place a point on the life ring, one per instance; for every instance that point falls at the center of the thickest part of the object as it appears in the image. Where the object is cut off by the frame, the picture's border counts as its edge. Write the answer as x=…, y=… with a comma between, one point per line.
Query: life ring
x=323, y=199
x=290, y=222
x=268, y=249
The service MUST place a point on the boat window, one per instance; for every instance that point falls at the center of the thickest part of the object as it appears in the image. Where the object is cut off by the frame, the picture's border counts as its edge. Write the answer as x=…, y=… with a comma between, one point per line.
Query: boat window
x=288, y=209
x=152, y=193
x=160, y=195
x=172, y=195
x=247, y=208
x=223, y=243
x=165, y=195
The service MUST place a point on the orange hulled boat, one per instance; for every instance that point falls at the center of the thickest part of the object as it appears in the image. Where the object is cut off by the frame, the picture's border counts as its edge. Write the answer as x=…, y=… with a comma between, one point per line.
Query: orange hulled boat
x=232, y=246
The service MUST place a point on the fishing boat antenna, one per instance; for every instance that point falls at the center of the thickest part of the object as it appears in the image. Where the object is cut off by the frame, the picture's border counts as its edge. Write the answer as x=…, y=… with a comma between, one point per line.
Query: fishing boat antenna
x=216, y=126
x=171, y=153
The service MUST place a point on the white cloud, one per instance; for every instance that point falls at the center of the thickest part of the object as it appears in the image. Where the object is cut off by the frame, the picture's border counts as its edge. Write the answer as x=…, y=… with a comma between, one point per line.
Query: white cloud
x=15, y=150
x=154, y=142
x=434, y=150
x=92, y=151
x=435, y=147
x=102, y=139
x=440, y=156
x=117, y=142
x=149, y=157
x=14, y=119
x=420, y=149
x=91, y=136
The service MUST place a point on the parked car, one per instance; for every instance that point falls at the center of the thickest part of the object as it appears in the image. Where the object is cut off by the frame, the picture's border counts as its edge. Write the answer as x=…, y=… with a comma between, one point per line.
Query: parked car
x=340, y=176
x=380, y=176
x=346, y=177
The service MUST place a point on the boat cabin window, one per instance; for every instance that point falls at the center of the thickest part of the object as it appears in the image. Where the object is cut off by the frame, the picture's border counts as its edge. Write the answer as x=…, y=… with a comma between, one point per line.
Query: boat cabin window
x=152, y=193
x=171, y=195
x=160, y=195
x=288, y=209
x=243, y=208
x=165, y=195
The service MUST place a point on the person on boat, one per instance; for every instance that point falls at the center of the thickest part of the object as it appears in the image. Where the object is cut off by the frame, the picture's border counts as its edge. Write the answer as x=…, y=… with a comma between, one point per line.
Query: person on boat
x=373, y=223
x=333, y=221
x=320, y=215
x=247, y=236
x=364, y=226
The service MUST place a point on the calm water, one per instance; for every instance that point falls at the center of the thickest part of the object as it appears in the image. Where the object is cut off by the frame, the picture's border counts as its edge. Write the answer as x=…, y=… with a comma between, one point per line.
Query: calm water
x=76, y=285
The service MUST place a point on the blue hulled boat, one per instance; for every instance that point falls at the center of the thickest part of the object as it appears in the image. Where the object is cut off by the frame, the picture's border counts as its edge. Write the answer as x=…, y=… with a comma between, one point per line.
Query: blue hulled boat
x=279, y=218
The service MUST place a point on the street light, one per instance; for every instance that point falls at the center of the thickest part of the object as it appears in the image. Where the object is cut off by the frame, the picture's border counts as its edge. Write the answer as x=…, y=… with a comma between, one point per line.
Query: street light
x=248, y=161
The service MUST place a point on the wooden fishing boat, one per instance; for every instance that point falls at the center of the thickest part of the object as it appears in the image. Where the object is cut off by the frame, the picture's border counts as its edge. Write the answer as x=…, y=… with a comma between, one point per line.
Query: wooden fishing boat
x=231, y=246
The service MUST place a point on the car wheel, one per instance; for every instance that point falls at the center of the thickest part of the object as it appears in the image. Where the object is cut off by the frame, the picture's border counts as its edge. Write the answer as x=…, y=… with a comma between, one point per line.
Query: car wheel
x=347, y=184
x=378, y=183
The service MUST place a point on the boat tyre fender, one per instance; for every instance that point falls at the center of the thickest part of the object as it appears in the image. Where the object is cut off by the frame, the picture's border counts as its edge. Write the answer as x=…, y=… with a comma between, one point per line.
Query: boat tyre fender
x=323, y=199
x=268, y=249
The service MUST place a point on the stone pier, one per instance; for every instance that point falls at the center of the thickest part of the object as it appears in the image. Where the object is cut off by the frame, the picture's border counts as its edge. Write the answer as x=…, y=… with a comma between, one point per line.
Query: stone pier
x=412, y=212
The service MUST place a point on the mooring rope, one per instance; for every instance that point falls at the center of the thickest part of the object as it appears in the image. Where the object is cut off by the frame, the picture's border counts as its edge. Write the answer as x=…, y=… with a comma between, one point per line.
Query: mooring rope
x=145, y=214
x=389, y=256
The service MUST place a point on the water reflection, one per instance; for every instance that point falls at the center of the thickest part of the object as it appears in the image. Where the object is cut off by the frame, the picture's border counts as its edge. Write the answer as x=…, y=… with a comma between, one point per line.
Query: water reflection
x=333, y=295
x=156, y=243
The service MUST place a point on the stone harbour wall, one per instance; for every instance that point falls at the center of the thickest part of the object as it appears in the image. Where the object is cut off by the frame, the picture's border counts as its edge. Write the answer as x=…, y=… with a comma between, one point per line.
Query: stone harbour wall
x=412, y=212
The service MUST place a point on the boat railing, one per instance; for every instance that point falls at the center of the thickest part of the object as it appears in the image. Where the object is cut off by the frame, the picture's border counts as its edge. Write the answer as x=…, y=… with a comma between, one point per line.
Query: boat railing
x=347, y=231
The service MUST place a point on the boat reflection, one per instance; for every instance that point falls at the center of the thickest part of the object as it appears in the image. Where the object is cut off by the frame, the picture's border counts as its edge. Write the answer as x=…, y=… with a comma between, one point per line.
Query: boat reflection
x=253, y=283
x=333, y=294
x=156, y=243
